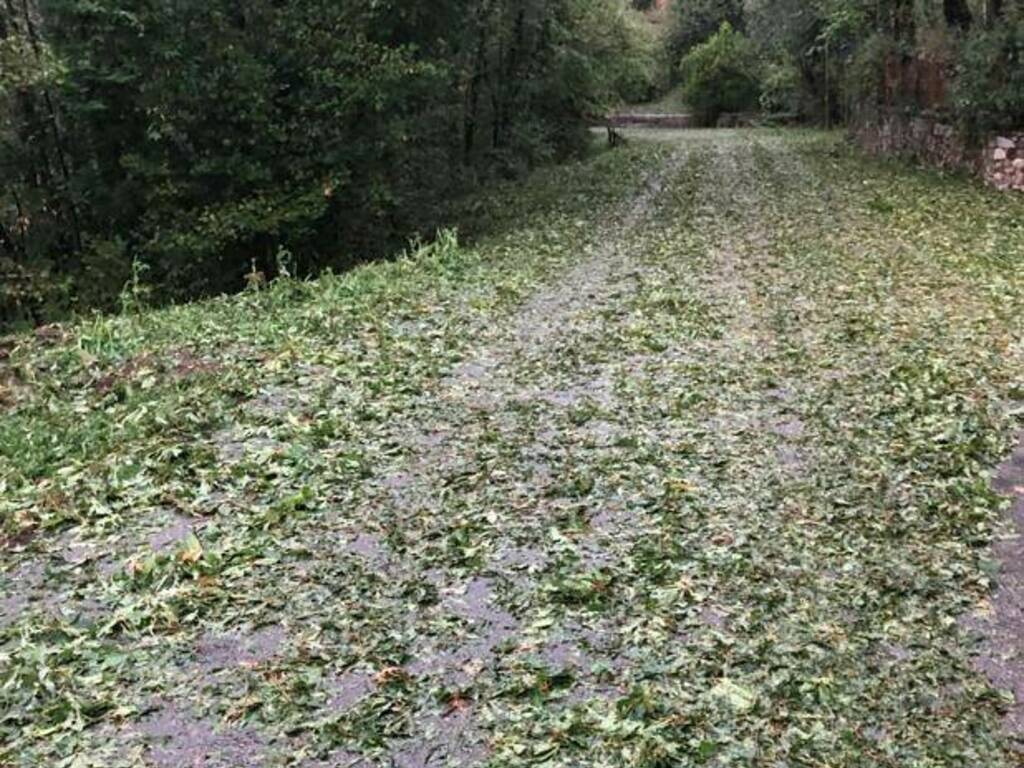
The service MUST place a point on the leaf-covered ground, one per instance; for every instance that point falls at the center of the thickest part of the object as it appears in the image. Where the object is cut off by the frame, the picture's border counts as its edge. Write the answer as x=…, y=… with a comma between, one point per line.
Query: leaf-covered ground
x=688, y=461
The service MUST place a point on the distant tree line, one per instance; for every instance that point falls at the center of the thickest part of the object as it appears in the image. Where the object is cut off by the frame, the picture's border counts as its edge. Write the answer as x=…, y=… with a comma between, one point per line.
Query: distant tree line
x=186, y=143
x=824, y=60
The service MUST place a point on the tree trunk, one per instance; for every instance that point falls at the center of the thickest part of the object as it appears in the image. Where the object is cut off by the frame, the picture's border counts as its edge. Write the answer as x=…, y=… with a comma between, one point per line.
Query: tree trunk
x=54, y=125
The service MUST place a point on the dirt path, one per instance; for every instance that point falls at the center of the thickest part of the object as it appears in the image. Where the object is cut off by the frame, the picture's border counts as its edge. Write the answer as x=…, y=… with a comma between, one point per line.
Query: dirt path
x=696, y=470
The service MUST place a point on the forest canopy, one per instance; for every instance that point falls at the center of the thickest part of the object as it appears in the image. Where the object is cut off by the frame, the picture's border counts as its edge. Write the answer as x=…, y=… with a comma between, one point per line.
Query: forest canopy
x=173, y=149
x=189, y=143
x=826, y=60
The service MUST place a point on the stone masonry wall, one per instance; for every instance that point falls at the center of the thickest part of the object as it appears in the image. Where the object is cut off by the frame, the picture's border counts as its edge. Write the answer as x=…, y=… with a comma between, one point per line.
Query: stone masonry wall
x=933, y=141
x=1004, y=162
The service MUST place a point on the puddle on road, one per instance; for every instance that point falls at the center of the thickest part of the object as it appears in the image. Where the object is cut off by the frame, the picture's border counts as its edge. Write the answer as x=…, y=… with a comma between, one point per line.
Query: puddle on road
x=349, y=689
x=177, y=737
x=370, y=548
x=174, y=534
x=457, y=660
x=241, y=647
x=451, y=739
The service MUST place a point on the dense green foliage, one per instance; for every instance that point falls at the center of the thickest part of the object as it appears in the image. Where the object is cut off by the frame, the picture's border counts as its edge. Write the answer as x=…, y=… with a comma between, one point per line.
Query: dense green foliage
x=203, y=140
x=829, y=59
x=718, y=75
x=989, y=88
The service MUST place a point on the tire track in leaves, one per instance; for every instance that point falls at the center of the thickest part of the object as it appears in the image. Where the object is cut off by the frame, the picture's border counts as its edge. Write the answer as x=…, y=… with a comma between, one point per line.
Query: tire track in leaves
x=470, y=625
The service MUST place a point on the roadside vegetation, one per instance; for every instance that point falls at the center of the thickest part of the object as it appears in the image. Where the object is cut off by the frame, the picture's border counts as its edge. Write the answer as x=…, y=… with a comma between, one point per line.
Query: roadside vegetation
x=190, y=144
x=828, y=61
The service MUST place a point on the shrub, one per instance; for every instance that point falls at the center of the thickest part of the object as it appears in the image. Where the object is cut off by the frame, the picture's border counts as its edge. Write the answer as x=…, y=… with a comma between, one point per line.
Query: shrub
x=781, y=87
x=988, y=92
x=719, y=75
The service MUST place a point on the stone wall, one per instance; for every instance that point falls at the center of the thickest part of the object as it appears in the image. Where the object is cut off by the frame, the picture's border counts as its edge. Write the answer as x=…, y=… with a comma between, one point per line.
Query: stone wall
x=934, y=141
x=1004, y=162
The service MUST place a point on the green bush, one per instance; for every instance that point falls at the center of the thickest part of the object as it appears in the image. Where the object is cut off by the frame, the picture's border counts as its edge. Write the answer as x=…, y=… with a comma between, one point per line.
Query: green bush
x=720, y=75
x=988, y=92
x=639, y=67
x=781, y=87
x=694, y=21
x=865, y=71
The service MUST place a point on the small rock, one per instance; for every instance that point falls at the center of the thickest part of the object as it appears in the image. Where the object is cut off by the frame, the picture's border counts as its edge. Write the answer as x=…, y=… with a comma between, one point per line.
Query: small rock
x=999, y=154
x=1004, y=143
x=1019, y=163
